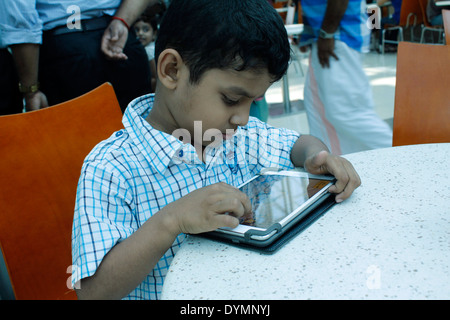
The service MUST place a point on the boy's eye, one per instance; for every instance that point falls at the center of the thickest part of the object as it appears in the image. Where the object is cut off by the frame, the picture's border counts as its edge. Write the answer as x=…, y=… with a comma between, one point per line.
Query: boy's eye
x=229, y=101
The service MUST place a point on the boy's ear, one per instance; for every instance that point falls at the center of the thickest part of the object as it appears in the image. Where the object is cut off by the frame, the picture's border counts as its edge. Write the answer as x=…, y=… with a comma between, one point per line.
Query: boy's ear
x=168, y=68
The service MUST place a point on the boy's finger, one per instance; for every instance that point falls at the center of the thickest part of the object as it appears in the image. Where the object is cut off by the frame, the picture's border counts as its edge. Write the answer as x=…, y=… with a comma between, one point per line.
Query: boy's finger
x=225, y=220
x=347, y=181
x=232, y=194
x=231, y=206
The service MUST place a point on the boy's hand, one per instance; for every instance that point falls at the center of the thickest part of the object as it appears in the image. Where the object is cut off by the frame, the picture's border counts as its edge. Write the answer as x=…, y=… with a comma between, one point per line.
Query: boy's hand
x=347, y=178
x=209, y=208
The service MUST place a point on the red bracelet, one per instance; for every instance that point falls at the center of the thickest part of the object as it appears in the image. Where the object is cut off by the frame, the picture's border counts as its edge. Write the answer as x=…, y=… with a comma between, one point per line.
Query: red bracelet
x=123, y=21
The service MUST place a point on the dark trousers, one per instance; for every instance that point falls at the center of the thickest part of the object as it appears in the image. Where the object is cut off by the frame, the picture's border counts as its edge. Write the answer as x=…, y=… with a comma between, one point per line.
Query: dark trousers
x=72, y=64
x=10, y=97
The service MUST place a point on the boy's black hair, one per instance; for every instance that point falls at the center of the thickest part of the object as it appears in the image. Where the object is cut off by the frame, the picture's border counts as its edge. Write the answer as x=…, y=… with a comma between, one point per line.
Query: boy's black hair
x=151, y=13
x=150, y=20
x=238, y=34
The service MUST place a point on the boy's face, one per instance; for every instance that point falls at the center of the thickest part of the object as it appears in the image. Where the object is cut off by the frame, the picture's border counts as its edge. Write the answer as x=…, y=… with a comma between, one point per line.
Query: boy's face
x=217, y=104
x=144, y=32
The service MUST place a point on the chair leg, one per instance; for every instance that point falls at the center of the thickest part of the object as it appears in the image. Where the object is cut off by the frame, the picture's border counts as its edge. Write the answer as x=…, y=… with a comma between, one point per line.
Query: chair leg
x=422, y=35
x=424, y=29
x=400, y=34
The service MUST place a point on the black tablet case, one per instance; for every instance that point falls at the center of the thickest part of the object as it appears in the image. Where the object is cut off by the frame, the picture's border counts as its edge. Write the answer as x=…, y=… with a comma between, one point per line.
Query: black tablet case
x=296, y=229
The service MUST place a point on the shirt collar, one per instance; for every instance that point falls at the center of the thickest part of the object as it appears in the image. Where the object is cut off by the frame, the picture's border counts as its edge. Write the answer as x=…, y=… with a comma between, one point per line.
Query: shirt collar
x=157, y=147
x=161, y=149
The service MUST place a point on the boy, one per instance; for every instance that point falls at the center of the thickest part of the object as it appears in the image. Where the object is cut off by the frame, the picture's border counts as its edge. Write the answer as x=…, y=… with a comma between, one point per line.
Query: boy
x=175, y=167
x=146, y=27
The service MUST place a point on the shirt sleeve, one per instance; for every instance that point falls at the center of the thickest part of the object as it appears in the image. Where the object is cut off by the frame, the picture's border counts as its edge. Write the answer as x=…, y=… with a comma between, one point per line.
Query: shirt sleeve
x=103, y=217
x=19, y=23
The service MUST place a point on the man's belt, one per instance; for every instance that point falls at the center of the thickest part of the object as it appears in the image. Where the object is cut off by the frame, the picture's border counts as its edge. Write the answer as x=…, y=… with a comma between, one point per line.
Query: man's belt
x=85, y=25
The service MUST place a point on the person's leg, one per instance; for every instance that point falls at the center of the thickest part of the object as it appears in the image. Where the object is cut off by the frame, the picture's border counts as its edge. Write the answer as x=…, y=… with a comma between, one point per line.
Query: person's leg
x=70, y=65
x=73, y=64
x=339, y=104
x=10, y=98
x=130, y=78
x=437, y=20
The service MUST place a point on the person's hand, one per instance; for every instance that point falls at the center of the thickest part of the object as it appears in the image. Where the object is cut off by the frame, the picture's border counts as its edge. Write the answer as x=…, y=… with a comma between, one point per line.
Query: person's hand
x=209, y=208
x=35, y=101
x=347, y=178
x=325, y=50
x=114, y=40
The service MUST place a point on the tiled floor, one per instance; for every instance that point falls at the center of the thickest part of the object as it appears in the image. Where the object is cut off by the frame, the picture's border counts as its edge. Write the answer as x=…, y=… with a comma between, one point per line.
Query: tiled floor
x=380, y=69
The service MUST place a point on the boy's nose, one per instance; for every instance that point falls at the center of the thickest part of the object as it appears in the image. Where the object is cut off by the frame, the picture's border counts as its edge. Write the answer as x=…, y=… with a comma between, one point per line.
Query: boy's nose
x=240, y=118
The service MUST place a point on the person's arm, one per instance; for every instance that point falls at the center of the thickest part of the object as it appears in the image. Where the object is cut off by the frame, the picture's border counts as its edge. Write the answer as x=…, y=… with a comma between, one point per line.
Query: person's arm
x=115, y=36
x=130, y=261
x=21, y=31
x=333, y=16
x=26, y=58
x=310, y=153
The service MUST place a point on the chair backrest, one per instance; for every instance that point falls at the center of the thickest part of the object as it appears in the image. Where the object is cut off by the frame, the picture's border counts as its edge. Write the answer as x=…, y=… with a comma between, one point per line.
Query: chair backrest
x=410, y=13
x=299, y=13
x=422, y=98
x=423, y=10
x=286, y=14
x=41, y=157
x=281, y=7
x=446, y=19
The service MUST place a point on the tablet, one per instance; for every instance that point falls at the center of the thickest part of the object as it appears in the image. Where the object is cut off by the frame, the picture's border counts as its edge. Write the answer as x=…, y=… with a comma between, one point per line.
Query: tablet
x=280, y=200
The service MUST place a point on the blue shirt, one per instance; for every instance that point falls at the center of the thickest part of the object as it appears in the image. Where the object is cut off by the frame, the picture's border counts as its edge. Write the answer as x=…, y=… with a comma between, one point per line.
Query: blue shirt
x=397, y=4
x=22, y=21
x=353, y=29
x=137, y=171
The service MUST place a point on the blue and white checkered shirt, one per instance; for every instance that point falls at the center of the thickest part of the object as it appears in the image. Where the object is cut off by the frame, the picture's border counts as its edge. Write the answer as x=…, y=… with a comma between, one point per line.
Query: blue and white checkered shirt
x=353, y=29
x=137, y=171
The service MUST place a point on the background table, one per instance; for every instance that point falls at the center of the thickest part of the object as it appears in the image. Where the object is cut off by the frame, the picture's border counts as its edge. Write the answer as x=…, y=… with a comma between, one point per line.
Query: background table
x=390, y=240
x=442, y=3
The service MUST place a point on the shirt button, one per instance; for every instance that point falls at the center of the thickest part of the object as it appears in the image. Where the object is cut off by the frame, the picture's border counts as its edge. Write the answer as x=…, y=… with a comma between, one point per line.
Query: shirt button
x=119, y=133
x=180, y=154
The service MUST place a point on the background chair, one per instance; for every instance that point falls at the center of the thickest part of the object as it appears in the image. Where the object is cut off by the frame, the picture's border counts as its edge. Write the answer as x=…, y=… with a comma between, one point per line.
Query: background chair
x=446, y=19
x=294, y=28
x=422, y=98
x=410, y=16
x=281, y=7
x=427, y=25
x=41, y=157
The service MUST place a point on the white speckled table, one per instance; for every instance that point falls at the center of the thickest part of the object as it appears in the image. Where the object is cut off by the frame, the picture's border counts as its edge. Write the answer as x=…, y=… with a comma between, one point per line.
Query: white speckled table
x=390, y=240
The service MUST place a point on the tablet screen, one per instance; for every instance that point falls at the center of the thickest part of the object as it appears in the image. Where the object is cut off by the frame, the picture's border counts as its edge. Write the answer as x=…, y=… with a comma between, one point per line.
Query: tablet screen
x=274, y=197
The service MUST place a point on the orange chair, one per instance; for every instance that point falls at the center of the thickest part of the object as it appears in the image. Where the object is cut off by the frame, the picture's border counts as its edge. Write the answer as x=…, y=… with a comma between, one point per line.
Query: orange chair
x=422, y=98
x=41, y=157
x=446, y=18
x=281, y=7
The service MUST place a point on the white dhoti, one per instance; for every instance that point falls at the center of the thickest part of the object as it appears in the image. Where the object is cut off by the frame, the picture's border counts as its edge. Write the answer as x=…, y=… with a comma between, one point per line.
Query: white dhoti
x=339, y=104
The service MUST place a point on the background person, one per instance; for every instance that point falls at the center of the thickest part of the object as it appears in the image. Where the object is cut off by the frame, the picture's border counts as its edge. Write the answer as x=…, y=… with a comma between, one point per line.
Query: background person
x=63, y=50
x=338, y=97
